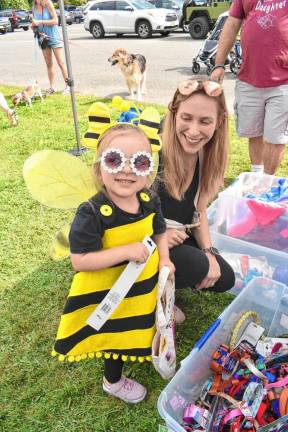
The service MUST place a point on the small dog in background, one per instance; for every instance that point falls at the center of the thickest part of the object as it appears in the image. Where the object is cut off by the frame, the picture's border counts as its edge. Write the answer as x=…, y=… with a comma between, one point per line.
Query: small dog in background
x=27, y=95
x=133, y=67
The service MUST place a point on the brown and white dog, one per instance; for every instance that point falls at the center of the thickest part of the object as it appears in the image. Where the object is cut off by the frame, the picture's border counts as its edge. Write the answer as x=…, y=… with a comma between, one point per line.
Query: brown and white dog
x=133, y=67
x=26, y=95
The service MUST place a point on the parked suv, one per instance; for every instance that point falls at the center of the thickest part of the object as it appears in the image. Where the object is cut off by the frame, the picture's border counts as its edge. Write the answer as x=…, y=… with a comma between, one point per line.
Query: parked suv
x=19, y=18
x=5, y=25
x=201, y=18
x=175, y=6
x=128, y=16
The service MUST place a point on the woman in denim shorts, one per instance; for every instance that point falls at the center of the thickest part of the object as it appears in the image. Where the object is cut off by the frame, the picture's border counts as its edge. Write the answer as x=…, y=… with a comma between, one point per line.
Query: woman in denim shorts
x=45, y=22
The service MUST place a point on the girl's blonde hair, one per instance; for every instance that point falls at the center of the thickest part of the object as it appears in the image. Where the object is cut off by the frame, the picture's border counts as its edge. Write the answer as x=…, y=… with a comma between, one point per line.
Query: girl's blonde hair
x=215, y=152
x=104, y=142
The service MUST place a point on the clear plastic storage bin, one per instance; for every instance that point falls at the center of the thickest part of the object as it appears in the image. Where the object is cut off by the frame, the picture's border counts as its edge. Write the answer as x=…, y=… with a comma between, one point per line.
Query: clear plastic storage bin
x=270, y=300
x=251, y=260
x=237, y=214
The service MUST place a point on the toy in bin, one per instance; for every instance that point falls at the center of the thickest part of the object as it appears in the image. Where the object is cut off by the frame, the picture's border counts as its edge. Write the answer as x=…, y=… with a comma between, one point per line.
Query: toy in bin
x=258, y=216
x=249, y=389
x=247, y=267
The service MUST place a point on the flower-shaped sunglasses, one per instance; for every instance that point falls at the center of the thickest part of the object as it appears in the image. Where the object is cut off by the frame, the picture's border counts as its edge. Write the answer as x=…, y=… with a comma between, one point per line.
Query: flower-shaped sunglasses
x=113, y=161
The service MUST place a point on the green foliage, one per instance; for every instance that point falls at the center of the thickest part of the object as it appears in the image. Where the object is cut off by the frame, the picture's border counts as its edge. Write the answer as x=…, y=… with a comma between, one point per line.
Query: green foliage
x=15, y=4
x=37, y=392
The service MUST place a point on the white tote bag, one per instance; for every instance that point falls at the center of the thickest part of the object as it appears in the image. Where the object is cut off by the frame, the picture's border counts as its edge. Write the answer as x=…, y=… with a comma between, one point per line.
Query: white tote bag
x=163, y=345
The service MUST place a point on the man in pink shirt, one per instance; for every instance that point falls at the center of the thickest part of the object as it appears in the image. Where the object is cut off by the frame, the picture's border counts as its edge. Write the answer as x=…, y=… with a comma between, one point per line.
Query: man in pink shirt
x=261, y=92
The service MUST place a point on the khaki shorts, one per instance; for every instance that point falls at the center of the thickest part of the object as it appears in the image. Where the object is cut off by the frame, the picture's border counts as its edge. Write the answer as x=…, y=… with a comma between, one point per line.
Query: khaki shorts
x=262, y=112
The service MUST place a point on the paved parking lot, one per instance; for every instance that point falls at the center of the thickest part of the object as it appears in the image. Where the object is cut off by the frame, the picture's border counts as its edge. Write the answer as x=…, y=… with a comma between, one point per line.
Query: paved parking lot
x=169, y=61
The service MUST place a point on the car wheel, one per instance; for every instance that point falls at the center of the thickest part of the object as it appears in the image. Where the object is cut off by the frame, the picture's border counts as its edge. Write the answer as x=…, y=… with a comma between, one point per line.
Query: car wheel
x=164, y=33
x=97, y=30
x=69, y=23
x=195, y=68
x=119, y=34
x=144, y=29
x=3, y=31
x=199, y=28
x=25, y=28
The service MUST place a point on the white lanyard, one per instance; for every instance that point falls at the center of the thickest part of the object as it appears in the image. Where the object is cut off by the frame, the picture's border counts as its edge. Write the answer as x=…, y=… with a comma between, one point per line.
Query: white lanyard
x=119, y=290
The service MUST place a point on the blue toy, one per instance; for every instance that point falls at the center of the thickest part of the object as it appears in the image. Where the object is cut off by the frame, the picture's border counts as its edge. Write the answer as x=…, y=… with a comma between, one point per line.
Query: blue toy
x=280, y=274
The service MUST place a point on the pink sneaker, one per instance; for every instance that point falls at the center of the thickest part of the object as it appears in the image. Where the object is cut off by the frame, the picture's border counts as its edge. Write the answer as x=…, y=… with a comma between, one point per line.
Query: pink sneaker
x=126, y=389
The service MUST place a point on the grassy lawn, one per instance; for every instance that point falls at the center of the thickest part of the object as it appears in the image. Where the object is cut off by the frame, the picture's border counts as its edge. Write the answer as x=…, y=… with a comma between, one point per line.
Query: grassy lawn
x=37, y=393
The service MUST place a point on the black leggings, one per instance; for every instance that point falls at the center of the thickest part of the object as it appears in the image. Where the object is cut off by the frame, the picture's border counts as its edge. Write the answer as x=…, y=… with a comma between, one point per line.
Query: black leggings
x=192, y=266
x=113, y=370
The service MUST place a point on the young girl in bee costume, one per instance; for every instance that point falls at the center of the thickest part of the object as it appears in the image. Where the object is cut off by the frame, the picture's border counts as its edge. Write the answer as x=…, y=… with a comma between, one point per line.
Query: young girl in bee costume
x=107, y=232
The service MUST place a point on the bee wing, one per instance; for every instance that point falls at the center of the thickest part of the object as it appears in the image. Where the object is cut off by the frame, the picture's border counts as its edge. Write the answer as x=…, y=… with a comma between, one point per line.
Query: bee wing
x=152, y=177
x=59, y=249
x=58, y=179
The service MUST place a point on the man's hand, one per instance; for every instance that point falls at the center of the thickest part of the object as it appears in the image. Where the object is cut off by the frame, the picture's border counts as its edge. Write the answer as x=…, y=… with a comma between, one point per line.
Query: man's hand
x=218, y=75
x=175, y=237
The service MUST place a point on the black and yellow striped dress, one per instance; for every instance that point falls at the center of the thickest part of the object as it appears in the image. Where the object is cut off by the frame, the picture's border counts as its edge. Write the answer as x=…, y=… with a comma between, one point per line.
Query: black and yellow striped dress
x=130, y=330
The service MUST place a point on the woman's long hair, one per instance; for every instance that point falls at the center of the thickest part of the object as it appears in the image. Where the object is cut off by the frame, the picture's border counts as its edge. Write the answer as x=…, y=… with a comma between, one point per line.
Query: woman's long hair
x=215, y=152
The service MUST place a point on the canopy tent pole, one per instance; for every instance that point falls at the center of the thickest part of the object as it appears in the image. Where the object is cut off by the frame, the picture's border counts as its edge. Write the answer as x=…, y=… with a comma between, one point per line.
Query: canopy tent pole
x=78, y=150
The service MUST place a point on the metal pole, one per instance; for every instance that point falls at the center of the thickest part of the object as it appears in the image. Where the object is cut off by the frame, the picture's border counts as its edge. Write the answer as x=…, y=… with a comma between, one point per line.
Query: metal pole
x=77, y=151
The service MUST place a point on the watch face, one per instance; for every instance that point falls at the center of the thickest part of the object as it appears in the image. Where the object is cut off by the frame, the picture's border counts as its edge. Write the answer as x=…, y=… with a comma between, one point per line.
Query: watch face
x=214, y=251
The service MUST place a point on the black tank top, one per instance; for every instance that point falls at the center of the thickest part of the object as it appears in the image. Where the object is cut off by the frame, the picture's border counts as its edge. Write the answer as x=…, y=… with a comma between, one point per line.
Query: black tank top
x=180, y=211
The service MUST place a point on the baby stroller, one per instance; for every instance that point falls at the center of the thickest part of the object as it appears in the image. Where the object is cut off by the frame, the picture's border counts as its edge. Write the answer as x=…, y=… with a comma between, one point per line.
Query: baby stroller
x=207, y=53
x=236, y=61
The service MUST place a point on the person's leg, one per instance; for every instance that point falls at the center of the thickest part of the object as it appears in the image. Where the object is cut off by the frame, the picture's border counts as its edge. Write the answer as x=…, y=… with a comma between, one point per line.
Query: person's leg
x=272, y=157
x=275, y=127
x=3, y=104
x=256, y=152
x=11, y=114
x=59, y=58
x=115, y=384
x=249, y=111
x=192, y=266
x=47, y=54
x=113, y=370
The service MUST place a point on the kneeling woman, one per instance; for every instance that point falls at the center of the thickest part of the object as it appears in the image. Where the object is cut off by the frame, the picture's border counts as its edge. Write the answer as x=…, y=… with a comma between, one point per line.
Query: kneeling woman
x=193, y=162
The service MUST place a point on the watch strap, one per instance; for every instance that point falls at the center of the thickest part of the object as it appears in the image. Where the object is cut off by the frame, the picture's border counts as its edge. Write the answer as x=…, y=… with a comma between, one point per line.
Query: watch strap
x=212, y=250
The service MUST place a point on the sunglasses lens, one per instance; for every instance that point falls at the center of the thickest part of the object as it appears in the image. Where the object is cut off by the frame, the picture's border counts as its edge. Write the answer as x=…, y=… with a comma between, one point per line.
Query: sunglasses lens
x=142, y=163
x=113, y=160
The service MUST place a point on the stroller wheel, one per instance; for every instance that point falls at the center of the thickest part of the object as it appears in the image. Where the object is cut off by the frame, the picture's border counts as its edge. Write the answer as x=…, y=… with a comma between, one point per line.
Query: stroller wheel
x=195, y=68
x=234, y=66
x=208, y=70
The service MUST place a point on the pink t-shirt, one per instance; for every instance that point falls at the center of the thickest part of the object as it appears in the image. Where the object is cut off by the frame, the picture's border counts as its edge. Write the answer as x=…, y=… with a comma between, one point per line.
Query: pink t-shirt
x=264, y=41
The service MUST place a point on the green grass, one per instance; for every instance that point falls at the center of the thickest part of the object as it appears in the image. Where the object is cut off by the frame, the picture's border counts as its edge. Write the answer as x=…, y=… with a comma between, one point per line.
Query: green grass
x=37, y=393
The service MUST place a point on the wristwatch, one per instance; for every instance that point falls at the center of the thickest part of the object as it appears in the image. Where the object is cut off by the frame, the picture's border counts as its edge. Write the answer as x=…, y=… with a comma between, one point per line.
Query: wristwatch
x=212, y=250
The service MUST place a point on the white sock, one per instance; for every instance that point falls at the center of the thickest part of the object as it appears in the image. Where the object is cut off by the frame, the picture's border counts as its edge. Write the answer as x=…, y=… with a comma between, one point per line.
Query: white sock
x=257, y=168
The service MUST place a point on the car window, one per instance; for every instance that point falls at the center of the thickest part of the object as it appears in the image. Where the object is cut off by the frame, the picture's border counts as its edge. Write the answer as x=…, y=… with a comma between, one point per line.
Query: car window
x=109, y=5
x=142, y=5
x=121, y=5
